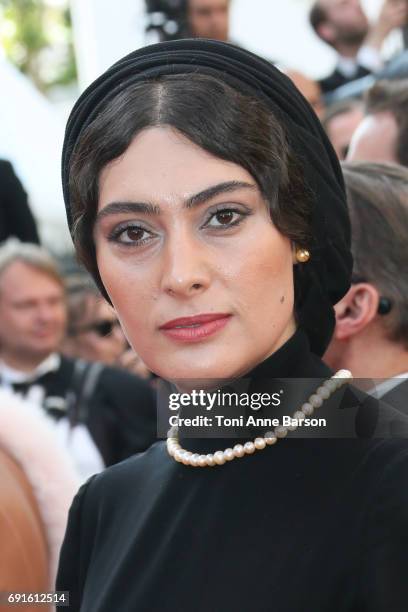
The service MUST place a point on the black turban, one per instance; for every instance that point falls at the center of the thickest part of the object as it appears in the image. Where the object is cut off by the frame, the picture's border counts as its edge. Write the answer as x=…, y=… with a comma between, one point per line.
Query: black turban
x=322, y=281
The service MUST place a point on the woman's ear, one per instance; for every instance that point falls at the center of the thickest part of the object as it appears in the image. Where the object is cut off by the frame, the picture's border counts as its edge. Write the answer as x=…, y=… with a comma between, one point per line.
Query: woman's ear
x=356, y=310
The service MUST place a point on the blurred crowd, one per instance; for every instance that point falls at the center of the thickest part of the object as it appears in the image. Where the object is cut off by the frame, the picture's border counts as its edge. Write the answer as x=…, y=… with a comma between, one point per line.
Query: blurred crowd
x=75, y=397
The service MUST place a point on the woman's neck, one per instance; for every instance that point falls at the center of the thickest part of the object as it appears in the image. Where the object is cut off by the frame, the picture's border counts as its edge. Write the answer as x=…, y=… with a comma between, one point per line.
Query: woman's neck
x=292, y=373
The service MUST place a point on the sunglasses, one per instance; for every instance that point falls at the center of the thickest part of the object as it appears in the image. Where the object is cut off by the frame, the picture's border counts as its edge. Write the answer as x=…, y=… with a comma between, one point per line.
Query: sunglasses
x=102, y=328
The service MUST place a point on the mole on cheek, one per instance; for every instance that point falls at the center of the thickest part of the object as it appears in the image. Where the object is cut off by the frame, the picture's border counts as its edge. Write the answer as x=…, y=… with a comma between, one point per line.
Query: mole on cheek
x=282, y=299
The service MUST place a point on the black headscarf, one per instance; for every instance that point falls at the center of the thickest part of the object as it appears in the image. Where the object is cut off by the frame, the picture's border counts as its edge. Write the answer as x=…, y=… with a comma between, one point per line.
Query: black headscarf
x=322, y=281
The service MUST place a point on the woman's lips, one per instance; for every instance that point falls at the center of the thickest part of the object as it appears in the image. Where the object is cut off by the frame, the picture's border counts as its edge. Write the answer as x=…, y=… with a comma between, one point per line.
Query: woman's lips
x=195, y=329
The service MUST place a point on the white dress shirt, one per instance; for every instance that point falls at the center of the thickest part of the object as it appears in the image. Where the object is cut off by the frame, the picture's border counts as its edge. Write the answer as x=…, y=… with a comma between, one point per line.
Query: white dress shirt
x=367, y=57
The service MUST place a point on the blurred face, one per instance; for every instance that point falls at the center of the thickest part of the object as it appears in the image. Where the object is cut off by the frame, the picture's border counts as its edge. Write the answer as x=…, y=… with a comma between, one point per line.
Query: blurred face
x=32, y=314
x=341, y=129
x=309, y=89
x=375, y=139
x=199, y=276
x=346, y=21
x=99, y=337
x=209, y=18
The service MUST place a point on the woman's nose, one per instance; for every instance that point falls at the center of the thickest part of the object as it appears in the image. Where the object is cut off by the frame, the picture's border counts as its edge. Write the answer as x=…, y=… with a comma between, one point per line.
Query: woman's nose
x=186, y=269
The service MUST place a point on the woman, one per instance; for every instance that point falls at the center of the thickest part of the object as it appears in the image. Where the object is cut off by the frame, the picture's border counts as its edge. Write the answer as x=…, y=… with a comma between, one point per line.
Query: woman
x=204, y=197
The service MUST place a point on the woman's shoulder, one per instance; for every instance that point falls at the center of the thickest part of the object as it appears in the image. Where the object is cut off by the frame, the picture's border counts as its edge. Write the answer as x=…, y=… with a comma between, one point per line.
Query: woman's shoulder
x=147, y=462
x=128, y=475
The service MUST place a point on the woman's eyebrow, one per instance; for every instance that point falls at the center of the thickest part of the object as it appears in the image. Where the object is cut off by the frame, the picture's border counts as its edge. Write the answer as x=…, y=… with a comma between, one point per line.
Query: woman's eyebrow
x=116, y=208
x=211, y=192
x=147, y=208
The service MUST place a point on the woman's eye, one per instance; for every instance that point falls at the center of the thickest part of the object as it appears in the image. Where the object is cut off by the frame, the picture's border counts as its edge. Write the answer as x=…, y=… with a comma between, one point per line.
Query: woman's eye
x=131, y=235
x=225, y=218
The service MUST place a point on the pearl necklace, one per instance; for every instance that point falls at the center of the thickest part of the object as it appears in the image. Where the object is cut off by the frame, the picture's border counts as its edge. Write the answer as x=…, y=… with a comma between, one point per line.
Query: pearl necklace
x=220, y=457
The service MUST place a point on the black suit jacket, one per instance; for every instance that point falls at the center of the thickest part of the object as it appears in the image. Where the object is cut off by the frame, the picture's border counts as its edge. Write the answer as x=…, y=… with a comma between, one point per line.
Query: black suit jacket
x=16, y=218
x=398, y=397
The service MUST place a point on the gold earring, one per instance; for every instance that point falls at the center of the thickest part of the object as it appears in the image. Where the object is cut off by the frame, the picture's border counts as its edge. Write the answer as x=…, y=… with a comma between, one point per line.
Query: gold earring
x=302, y=255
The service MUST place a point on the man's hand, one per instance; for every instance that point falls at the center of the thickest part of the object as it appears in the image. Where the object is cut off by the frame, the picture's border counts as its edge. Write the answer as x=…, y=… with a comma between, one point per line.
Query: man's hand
x=393, y=14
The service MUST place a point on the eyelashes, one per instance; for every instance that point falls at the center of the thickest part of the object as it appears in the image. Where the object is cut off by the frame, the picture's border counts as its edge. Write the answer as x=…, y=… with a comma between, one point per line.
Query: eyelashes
x=131, y=234
x=226, y=217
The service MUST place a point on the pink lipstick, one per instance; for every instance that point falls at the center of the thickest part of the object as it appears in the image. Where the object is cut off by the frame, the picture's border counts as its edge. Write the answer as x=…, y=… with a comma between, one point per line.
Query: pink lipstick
x=195, y=328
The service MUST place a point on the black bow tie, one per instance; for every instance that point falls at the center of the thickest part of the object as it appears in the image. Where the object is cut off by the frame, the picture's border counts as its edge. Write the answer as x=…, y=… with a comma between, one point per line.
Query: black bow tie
x=23, y=387
x=55, y=406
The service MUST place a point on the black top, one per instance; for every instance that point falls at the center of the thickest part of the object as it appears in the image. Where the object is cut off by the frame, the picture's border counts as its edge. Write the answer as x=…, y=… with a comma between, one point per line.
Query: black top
x=313, y=525
x=16, y=218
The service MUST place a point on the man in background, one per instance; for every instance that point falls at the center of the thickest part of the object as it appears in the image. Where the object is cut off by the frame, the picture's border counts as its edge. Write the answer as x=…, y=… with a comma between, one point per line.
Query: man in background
x=383, y=134
x=104, y=415
x=371, y=334
x=340, y=122
x=94, y=332
x=344, y=26
x=208, y=19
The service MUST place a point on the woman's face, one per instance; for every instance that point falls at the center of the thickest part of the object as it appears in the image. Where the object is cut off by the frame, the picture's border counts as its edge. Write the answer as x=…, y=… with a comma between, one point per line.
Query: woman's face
x=200, y=278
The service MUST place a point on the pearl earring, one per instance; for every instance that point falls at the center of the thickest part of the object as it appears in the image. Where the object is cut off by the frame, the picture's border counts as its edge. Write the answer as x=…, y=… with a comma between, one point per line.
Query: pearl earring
x=302, y=255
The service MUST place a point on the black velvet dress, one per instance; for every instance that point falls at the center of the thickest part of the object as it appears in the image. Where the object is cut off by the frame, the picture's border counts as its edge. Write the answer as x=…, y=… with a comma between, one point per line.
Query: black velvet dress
x=311, y=525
